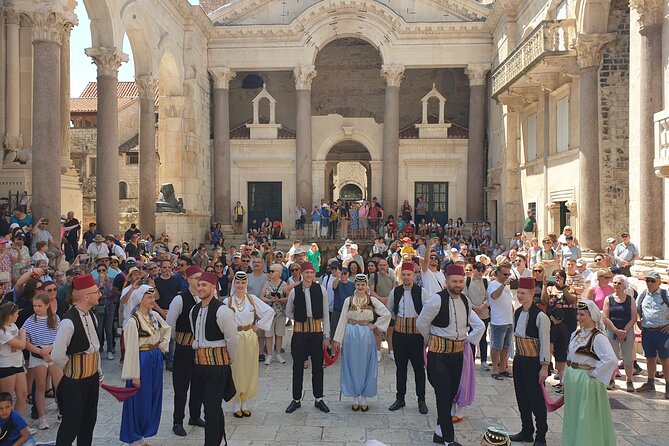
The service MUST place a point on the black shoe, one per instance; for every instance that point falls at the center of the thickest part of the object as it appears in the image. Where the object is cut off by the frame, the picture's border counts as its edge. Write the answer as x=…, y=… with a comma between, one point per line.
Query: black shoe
x=398, y=404
x=422, y=407
x=179, y=430
x=539, y=443
x=320, y=405
x=261, y=358
x=196, y=422
x=437, y=439
x=33, y=412
x=521, y=437
x=169, y=366
x=294, y=405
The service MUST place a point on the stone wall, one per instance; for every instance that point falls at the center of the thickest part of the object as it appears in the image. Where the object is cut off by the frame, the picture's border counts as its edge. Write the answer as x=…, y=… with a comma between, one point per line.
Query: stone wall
x=614, y=118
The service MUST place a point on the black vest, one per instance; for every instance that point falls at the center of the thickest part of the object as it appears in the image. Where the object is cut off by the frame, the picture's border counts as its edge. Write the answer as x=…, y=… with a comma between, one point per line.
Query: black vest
x=212, y=332
x=140, y=331
x=443, y=318
x=188, y=302
x=79, y=342
x=300, y=303
x=531, y=331
x=416, y=296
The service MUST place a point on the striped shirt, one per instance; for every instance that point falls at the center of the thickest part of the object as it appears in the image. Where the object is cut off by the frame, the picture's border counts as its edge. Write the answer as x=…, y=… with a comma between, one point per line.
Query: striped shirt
x=39, y=334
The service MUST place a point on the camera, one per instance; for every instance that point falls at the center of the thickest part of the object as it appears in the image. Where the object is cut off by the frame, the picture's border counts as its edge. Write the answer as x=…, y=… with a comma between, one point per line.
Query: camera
x=551, y=279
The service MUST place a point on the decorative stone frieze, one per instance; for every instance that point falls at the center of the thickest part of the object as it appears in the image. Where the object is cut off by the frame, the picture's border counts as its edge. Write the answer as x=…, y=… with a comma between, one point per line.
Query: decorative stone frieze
x=222, y=77
x=304, y=75
x=393, y=74
x=108, y=60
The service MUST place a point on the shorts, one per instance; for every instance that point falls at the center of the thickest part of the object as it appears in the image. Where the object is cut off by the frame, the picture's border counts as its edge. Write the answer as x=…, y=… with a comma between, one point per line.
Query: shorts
x=278, y=326
x=363, y=222
x=653, y=343
x=560, y=339
x=627, y=346
x=260, y=333
x=501, y=336
x=36, y=362
x=6, y=372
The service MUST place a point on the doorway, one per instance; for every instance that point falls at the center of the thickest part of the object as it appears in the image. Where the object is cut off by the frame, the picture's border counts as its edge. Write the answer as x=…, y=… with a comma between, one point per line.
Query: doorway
x=435, y=195
x=348, y=172
x=264, y=200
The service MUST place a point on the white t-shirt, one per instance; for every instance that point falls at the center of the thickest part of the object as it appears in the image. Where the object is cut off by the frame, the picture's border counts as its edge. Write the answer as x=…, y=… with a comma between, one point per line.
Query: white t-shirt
x=40, y=256
x=134, y=300
x=9, y=358
x=433, y=282
x=501, y=309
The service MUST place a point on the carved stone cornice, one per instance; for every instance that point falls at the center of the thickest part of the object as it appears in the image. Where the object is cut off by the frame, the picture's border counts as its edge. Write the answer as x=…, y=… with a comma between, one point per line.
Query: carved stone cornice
x=222, y=77
x=49, y=26
x=108, y=60
x=477, y=73
x=589, y=48
x=650, y=13
x=146, y=86
x=546, y=81
x=514, y=101
x=393, y=74
x=12, y=17
x=304, y=74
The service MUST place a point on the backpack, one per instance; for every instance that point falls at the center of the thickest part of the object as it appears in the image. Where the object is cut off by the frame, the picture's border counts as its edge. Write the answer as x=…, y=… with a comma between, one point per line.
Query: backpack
x=469, y=281
x=663, y=295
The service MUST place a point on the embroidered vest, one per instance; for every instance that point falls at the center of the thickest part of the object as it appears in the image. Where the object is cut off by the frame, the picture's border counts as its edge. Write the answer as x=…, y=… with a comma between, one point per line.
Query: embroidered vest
x=531, y=331
x=589, y=348
x=416, y=293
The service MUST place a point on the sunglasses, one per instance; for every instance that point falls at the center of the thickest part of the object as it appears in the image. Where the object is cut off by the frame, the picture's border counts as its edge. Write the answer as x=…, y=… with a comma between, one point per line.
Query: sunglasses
x=598, y=259
x=538, y=271
x=650, y=280
x=50, y=290
x=294, y=270
x=246, y=261
x=218, y=266
x=617, y=283
x=102, y=270
x=345, y=272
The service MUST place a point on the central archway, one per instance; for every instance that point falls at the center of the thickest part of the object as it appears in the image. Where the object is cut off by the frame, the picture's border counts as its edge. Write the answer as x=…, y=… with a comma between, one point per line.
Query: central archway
x=347, y=168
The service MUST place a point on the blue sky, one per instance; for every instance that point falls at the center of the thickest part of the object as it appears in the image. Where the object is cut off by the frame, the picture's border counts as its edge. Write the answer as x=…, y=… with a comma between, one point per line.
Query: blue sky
x=82, y=69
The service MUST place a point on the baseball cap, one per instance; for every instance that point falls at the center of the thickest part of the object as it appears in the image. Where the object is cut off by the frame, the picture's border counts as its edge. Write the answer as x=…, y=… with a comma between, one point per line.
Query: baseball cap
x=652, y=275
x=610, y=240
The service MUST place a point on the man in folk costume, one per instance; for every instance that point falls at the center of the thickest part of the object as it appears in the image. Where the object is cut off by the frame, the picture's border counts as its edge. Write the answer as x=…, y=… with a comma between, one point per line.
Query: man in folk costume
x=215, y=341
x=447, y=322
x=77, y=350
x=532, y=330
x=307, y=304
x=405, y=303
x=178, y=317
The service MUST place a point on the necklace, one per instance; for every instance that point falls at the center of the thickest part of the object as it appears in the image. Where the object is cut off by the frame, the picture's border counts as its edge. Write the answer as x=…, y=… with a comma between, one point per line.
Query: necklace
x=149, y=321
x=581, y=335
x=239, y=304
x=360, y=303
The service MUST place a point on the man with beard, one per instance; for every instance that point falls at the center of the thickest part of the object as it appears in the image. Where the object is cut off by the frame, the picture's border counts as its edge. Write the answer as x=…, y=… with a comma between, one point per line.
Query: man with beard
x=447, y=322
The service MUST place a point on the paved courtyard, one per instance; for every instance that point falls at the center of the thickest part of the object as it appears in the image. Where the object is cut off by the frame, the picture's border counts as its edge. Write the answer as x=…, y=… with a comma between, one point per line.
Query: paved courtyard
x=639, y=418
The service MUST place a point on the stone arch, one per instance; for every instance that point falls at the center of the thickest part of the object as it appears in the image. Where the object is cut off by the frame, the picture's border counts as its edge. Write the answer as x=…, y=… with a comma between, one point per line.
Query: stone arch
x=171, y=75
x=592, y=16
x=137, y=26
x=104, y=32
x=335, y=138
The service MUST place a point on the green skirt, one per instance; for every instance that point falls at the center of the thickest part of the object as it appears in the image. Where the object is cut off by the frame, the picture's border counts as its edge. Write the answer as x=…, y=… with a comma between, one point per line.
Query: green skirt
x=587, y=411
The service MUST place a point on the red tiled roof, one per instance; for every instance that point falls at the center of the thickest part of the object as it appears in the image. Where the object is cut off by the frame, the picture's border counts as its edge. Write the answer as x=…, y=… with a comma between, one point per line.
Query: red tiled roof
x=124, y=90
x=454, y=132
x=90, y=105
x=243, y=132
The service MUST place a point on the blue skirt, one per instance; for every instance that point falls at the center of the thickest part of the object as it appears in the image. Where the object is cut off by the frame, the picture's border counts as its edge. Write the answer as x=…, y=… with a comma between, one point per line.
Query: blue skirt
x=141, y=412
x=359, y=366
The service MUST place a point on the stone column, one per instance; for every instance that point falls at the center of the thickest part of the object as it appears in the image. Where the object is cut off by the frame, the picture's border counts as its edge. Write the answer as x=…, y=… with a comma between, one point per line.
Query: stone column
x=646, y=226
x=222, y=159
x=3, y=70
x=12, y=140
x=304, y=74
x=512, y=212
x=65, y=161
x=393, y=75
x=146, y=85
x=589, y=51
x=108, y=61
x=475, y=151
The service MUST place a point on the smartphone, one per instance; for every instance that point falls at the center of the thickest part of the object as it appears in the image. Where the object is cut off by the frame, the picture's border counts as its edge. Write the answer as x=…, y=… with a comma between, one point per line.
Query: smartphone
x=551, y=279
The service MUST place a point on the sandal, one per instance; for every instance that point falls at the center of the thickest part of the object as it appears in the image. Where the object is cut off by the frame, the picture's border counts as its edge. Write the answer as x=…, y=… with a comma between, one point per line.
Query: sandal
x=355, y=407
x=246, y=413
x=456, y=420
x=238, y=414
x=506, y=373
x=497, y=376
x=364, y=407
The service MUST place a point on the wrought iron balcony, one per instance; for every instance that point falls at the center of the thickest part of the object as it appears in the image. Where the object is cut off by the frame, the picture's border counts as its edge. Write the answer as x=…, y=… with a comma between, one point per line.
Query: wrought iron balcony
x=662, y=144
x=549, y=38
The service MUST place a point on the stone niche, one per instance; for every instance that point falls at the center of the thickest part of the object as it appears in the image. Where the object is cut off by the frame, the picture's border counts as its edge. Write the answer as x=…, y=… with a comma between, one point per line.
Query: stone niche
x=438, y=130
x=259, y=130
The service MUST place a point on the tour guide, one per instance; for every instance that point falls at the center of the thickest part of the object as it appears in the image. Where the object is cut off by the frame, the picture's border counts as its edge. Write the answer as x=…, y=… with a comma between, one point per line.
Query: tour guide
x=445, y=322
x=306, y=305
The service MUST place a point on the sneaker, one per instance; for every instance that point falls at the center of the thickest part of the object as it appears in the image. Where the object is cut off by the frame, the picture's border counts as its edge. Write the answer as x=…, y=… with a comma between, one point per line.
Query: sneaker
x=378, y=356
x=611, y=386
x=261, y=358
x=110, y=356
x=647, y=387
x=268, y=359
x=43, y=423
x=630, y=386
x=391, y=355
x=485, y=367
x=280, y=359
x=559, y=391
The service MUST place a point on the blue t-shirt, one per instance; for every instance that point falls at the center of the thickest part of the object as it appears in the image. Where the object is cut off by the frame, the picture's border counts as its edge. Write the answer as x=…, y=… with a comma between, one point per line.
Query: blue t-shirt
x=15, y=434
x=25, y=221
x=342, y=291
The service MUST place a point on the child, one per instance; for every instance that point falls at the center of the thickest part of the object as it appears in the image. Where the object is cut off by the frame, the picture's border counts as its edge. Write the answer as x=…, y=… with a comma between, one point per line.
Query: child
x=13, y=428
x=12, y=343
x=40, y=253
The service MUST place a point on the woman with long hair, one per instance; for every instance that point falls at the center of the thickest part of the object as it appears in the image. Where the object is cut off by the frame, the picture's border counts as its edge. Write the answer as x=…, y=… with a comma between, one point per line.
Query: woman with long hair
x=12, y=343
x=41, y=333
x=599, y=291
x=314, y=256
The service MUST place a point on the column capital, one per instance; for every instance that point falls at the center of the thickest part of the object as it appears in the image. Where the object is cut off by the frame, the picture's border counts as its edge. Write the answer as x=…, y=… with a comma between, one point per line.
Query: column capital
x=146, y=86
x=649, y=11
x=589, y=48
x=477, y=73
x=304, y=74
x=108, y=60
x=222, y=77
x=393, y=74
x=12, y=17
x=49, y=26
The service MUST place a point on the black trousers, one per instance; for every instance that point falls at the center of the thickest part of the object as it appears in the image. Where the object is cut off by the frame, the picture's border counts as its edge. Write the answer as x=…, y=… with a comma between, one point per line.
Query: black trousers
x=409, y=347
x=529, y=397
x=78, y=400
x=182, y=375
x=444, y=372
x=209, y=384
x=303, y=345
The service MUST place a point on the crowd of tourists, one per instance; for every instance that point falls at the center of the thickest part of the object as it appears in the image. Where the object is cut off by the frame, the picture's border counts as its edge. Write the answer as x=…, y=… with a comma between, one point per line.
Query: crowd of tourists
x=213, y=315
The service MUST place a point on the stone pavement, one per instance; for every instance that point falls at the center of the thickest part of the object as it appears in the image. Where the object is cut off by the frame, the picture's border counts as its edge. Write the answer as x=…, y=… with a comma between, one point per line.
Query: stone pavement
x=639, y=418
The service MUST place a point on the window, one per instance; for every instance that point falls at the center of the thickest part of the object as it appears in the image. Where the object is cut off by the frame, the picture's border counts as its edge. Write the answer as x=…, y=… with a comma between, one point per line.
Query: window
x=92, y=166
x=132, y=158
x=532, y=207
x=562, y=124
x=531, y=142
x=252, y=81
x=436, y=198
x=122, y=190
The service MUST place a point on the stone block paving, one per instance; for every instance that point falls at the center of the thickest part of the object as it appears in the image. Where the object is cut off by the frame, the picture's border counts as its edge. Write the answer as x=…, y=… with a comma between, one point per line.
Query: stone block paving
x=640, y=419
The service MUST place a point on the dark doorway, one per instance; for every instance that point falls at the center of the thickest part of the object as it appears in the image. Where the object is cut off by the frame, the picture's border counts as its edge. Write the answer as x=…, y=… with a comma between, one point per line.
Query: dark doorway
x=264, y=200
x=436, y=197
x=564, y=215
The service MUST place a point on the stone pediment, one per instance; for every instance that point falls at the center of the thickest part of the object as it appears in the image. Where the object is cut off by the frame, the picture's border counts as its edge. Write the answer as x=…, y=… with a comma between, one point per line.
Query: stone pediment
x=271, y=12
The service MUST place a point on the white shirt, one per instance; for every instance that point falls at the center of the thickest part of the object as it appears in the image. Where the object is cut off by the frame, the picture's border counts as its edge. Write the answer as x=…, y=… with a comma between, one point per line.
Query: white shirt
x=544, y=328
x=246, y=315
x=328, y=280
x=94, y=249
x=117, y=251
x=225, y=320
x=10, y=357
x=64, y=336
x=290, y=308
x=501, y=309
x=131, y=365
x=433, y=281
x=406, y=307
x=608, y=362
x=457, y=328
x=175, y=309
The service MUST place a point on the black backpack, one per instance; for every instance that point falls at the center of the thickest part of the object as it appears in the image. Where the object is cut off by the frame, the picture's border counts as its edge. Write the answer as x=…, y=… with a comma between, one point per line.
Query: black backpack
x=469, y=280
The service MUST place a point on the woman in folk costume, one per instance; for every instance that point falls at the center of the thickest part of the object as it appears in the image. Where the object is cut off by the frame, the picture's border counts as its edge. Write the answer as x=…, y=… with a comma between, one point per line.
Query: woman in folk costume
x=587, y=412
x=356, y=331
x=251, y=314
x=147, y=337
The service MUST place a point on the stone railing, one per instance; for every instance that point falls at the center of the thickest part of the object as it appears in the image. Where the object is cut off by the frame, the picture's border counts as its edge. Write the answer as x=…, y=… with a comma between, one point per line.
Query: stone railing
x=661, y=125
x=550, y=37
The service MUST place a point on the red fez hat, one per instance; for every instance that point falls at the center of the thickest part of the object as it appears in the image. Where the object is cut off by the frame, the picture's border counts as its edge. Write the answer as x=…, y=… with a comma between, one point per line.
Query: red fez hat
x=83, y=283
x=329, y=360
x=408, y=266
x=120, y=393
x=209, y=277
x=526, y=283
x=307, y=266
x=193, y=269
x=455, y=270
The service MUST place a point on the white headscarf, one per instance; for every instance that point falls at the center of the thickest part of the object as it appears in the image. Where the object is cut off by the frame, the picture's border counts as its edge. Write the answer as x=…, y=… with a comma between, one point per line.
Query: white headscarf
x=595, y=314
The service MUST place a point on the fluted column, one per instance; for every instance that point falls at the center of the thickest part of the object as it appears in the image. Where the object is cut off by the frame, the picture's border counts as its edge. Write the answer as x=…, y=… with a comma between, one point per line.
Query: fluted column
x=304, y=75
x=108, y=61
x=12, y=140
x=222, y=159
x=475, y=152
x=65, y=161
x=512, y=212
x=148, y=189
x=646, y=226
x=589, y=51
x=393, y=75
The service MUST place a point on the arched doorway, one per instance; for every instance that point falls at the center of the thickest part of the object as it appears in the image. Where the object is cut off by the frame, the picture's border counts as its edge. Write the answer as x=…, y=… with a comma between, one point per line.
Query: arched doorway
x=348, y=172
